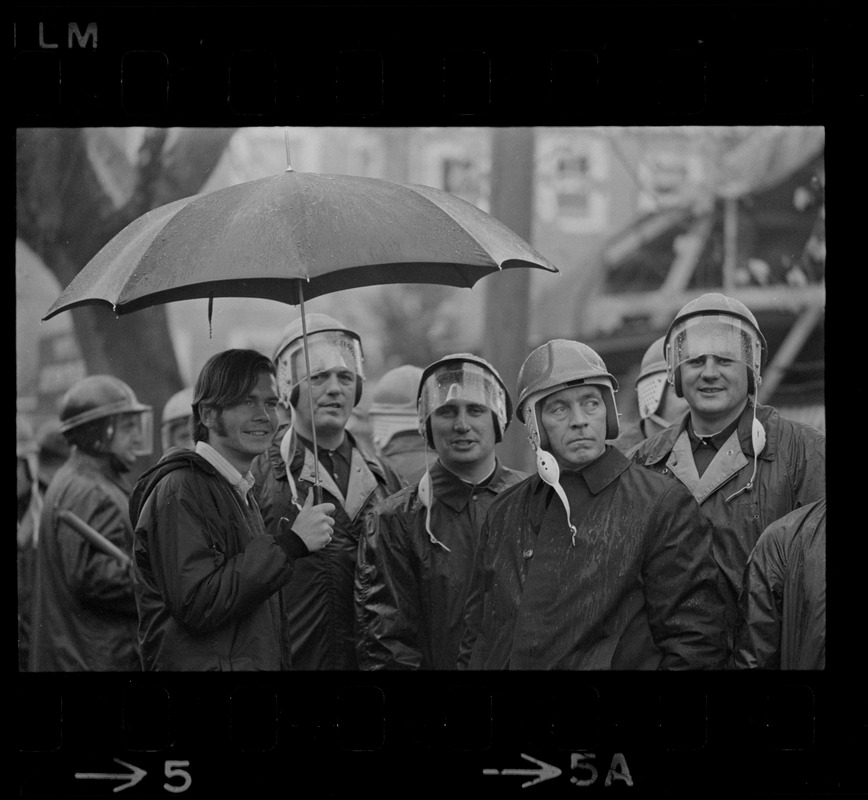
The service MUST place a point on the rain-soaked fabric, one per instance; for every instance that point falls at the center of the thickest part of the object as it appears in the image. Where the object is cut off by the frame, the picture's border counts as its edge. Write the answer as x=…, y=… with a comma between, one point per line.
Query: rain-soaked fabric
x=783, y=600
x=318, y=601
x=790, y=472
x=636, y=591
x=718, y=335
x=405, y=454
x=462, y=380
x=84, y=612
x=207, y=573
x=410, y=593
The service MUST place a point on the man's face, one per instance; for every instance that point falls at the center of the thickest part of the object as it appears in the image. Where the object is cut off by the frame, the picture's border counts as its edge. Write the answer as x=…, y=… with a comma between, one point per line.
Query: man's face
x=127, y=438
x=575, y=421
x=243, y=431
x=333, y=392
x=715, y=388
x=463, y=433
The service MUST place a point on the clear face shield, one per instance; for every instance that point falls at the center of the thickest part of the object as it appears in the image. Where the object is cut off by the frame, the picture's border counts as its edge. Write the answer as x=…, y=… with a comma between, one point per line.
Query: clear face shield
x=714, y=334
x=138, y=427
x=327, y=350
x=462, y=380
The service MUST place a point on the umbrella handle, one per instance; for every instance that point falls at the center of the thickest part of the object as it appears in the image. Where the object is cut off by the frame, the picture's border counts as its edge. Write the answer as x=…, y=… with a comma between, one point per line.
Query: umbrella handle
x=317, y=488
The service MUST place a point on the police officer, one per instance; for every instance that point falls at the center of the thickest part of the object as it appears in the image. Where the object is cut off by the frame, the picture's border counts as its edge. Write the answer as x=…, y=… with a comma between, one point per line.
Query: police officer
x=593, y=562
x=395, y=422
x=84, y=614
x=659, y=406
x=175, y=427
x=745, y=464
x=319, y=599
x=416, y=559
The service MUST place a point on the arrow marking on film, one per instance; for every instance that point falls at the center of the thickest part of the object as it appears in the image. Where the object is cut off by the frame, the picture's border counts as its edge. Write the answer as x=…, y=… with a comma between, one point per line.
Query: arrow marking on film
x=131, y=778
x=547, y=771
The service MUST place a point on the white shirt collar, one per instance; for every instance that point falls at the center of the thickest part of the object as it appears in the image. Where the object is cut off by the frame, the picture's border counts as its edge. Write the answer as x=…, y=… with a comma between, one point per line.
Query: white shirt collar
x=241, y=483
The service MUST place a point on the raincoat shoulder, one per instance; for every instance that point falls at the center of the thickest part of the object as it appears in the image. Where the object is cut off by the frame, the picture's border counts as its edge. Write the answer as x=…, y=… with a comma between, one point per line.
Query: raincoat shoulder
x=783, y=599
x=207, y=573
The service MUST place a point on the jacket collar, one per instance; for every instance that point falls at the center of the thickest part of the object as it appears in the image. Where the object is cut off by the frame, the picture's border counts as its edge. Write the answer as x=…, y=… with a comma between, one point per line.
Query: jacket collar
x=450, y=490
x=600, y=473
x=102, y=464
x=298, y=455
x=658, y=447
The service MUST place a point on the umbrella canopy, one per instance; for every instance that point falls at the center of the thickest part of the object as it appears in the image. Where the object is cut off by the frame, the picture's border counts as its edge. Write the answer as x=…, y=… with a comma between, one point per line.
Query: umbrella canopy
x=295, y=236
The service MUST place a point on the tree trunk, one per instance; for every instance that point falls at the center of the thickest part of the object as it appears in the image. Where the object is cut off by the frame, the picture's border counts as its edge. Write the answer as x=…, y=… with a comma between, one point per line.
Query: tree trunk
x=76, y=189
x=507, y=309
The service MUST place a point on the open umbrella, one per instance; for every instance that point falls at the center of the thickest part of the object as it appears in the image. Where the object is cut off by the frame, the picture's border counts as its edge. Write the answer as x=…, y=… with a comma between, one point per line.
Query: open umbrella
x=296, y=236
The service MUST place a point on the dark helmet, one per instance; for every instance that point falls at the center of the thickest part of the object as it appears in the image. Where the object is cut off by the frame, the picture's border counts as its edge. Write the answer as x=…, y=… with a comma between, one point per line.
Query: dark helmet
x=89, y=407
x=321, y=328
x=462, y=369
x=556, y=365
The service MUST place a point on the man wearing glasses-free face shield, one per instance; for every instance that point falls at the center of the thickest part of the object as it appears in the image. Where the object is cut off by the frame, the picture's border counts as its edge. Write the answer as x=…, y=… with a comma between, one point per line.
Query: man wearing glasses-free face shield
x=745, y=464
x=319, y=599
x=416, y=560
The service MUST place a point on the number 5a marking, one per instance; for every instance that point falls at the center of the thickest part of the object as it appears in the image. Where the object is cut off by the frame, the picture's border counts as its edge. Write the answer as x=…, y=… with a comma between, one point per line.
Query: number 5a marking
x=173, y=769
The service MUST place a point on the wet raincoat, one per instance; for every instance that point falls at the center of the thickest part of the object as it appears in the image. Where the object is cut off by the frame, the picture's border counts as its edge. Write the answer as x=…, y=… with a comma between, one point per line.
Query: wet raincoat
x=410, y=592
x=791, y=472
x=405, y=454
x=636, y=591
x=207, y=573
x=318, y=602
x=783, y=601
x=84, y=612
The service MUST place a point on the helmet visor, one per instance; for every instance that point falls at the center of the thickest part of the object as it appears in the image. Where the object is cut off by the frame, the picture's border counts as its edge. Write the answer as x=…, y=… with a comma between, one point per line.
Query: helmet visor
x=462, y=380
x=714, y=335
x=327, y=350
x=139, y=425
x=649, y=392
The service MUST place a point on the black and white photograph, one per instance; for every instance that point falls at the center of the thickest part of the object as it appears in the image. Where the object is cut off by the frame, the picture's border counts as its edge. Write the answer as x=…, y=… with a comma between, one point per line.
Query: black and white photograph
x=486, y=446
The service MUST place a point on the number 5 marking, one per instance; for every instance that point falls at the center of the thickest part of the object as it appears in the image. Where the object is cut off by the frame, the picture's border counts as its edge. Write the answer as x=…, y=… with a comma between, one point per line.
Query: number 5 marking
x=173, y=768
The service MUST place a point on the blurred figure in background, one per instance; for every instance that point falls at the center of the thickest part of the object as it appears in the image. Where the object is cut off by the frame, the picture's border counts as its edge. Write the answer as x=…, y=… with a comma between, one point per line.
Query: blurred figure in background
x=318, y=601
x=51, y=450
x=659, y=406
x=175, y=422
x=416, y=559
x=395, y=422
x=783, y=600
x=84, y=611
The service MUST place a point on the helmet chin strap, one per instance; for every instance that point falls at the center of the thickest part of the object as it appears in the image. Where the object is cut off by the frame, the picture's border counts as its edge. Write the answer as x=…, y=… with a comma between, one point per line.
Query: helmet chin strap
x=547, y=468
x=426, y=497
x=285, y=444
x=758, y=440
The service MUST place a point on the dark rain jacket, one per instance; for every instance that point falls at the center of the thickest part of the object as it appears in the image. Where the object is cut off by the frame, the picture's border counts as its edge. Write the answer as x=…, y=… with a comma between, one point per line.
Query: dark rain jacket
x=207, y=573
x=318, y=602
x=783, y=600
x=791, y=472
x=405, y=454
x=637, y=590
x=410, y=592
x=84, y=612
